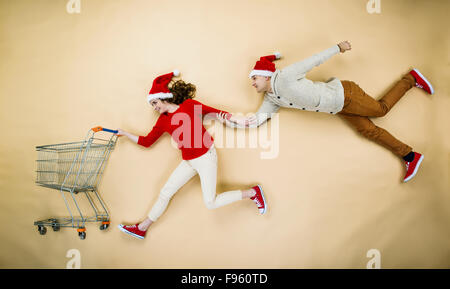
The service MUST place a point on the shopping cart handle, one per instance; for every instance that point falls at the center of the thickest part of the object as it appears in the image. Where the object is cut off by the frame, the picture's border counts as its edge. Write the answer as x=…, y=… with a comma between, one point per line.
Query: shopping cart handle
x=99, y=128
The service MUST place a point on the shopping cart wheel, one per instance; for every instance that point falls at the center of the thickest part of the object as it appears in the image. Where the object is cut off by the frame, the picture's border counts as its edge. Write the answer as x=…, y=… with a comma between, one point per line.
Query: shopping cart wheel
x=104, y=225
x=81, y=233
x=42, y=230
x=55, y=227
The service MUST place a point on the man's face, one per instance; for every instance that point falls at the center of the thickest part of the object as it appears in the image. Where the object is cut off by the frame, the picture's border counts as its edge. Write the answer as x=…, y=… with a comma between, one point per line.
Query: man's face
x=261, y=83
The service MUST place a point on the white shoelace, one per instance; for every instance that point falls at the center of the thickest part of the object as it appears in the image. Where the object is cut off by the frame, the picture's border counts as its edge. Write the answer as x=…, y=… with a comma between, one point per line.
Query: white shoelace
x=257, y=202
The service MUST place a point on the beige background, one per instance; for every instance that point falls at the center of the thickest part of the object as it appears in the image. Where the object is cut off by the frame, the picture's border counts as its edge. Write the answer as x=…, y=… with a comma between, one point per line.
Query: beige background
x=332, y=194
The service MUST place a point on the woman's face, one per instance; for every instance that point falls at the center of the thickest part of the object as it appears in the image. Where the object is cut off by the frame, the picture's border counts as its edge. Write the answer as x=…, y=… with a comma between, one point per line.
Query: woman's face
x=159, y=105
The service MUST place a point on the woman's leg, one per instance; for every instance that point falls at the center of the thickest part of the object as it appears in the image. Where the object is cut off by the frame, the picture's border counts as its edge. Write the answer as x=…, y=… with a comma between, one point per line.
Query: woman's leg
x=182, y=174
x=206, y=166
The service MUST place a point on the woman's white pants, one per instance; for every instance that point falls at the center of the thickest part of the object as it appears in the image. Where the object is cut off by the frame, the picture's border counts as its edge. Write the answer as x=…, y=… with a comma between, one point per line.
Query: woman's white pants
x=206, y=167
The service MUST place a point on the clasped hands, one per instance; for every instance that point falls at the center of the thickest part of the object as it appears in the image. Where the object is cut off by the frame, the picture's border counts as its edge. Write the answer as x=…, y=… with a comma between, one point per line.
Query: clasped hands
x=238, y=120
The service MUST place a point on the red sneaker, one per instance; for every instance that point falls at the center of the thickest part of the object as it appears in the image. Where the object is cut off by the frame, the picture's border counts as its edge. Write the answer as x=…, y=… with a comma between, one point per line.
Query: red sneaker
x=421, y=81
x=259, y=199
x=133, y=231
x=413, y=167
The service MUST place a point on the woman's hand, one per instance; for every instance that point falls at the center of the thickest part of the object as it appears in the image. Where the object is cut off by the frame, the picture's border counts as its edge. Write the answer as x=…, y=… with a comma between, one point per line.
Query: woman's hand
x=223, y=117
x=132, y=137
x=120, y=132
x=344, y=46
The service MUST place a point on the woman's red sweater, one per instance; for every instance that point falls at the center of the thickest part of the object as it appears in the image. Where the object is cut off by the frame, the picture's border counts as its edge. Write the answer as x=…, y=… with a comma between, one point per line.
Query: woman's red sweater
x=185, y=125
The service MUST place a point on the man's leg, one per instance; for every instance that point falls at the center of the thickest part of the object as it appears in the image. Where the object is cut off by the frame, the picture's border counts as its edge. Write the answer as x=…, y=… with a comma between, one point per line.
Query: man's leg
x=358, y=102
x=368, y=129
x=358, y=106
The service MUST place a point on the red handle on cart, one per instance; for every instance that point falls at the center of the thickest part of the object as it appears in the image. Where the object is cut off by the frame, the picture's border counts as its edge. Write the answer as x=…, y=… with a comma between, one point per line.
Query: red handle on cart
x=99, y=128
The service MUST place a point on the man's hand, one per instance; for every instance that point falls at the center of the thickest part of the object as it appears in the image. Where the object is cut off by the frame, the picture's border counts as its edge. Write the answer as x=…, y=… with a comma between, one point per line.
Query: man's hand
x=251, y=121
x=344, y=46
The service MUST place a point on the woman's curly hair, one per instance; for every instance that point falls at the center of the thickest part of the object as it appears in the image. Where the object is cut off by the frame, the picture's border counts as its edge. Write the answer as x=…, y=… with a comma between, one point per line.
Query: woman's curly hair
x=181, y=91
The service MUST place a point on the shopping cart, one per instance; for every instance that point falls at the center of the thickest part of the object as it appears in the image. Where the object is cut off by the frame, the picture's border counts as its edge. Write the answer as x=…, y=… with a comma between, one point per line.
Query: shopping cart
x=74, y=168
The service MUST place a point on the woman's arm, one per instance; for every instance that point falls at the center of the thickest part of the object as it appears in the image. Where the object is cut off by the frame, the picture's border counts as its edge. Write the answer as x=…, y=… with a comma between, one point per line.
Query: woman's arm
x=132, y=137
x=262, y=115
x=149, y=139
x=210, y=110
x=223, y=116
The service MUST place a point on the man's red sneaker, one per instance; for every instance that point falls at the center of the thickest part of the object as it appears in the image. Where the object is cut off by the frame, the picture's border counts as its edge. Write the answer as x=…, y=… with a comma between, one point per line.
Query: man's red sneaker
x=259, y=199
x=413, y=167
x=133, y=231
x=421, y=81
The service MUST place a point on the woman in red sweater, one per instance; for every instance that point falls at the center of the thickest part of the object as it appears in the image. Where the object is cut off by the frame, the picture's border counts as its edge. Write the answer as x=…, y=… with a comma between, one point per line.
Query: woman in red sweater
x=181, y=117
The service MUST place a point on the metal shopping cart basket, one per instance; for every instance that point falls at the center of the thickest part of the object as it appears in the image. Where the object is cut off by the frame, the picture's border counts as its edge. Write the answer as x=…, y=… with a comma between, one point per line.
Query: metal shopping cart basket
x=74, y=168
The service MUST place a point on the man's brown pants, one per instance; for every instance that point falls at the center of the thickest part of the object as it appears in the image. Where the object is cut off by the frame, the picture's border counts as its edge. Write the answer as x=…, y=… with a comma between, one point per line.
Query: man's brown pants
x=358, y=107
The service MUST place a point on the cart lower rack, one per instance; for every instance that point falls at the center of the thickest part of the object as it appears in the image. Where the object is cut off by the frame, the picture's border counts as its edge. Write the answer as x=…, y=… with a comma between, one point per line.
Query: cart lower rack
x=74, y=168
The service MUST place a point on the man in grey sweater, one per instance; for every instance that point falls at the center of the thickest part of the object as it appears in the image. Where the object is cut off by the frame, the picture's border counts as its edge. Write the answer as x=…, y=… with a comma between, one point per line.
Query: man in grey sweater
x=289, y=87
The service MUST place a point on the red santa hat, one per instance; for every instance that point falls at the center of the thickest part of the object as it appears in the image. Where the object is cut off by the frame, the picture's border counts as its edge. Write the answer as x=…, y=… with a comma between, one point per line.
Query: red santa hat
x=160, y=86
x=264, y=66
